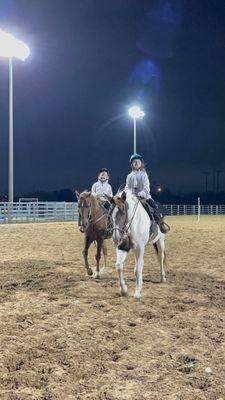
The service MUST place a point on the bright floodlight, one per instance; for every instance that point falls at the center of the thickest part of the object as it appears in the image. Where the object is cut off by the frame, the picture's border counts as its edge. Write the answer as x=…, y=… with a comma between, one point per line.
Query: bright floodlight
x=135, y=112
x=11, y=47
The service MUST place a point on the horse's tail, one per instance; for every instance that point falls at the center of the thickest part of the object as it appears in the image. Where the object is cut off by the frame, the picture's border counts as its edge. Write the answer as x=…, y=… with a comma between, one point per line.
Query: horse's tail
x=157, y=252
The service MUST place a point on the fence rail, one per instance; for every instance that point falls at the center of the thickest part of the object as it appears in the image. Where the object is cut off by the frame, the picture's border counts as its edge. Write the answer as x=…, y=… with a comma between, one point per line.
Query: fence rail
x=190, y=209
x=63, y=211
x=37, y=212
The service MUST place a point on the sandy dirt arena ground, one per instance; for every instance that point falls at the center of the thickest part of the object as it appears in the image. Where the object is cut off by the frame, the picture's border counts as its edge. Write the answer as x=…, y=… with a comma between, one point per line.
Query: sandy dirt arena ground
x=65, y=335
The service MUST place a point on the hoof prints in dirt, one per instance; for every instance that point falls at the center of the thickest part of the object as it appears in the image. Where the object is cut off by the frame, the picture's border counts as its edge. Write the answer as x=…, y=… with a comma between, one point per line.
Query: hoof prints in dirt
x=63, y=335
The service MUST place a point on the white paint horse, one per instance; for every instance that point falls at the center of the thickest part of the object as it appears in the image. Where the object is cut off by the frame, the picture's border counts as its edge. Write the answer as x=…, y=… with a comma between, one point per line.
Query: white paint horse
x=131, y=225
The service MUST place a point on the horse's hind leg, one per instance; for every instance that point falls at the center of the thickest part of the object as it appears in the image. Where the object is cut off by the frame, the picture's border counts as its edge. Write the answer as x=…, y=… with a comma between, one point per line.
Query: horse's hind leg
x=121, y=256
x=87, y=244
x=139, y=263
x=160, y=248
x=104, y=250
x=98, y=257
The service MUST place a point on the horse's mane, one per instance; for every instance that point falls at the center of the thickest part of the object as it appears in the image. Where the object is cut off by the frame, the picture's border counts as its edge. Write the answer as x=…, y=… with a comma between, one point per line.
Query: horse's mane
x=96, y=201
x=129, y=194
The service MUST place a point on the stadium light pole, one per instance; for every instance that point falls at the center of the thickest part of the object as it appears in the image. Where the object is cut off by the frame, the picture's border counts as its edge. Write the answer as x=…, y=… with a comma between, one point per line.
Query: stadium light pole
x=11, y=47
x=135, y=112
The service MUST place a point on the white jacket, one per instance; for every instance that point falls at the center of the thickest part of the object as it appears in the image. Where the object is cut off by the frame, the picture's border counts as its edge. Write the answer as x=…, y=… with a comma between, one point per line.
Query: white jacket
x=138, y=183
x=99, y=188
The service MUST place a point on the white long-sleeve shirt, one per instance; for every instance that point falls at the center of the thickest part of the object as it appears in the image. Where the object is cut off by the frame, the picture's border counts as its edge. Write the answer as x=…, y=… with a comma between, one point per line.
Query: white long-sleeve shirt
x=138, y=183
x=100, y=188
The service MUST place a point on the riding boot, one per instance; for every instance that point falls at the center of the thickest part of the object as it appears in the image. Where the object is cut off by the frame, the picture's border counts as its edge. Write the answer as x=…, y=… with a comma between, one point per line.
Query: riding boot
x=163, y=226
x=159, y=218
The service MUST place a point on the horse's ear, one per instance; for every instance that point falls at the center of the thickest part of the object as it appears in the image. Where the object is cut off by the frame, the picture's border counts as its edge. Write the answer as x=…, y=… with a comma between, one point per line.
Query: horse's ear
x=77, y=194
x=123, y=196
x=88, y=194
x=109, y=198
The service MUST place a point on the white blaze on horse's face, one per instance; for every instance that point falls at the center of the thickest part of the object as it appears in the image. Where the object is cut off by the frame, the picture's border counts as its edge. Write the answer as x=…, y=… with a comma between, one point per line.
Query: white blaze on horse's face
x=116, y=232
x=119, y=217
x=84, y=207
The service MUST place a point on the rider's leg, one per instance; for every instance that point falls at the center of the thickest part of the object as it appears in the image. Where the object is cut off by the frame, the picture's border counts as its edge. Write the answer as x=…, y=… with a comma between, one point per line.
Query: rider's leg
x=109, y=222
x=159, y=218
x=106, y=205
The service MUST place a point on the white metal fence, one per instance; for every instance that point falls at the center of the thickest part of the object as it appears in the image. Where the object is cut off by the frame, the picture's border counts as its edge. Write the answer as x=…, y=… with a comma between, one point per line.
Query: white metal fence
x=63, y=211
x=189, y=209
x=37, y=212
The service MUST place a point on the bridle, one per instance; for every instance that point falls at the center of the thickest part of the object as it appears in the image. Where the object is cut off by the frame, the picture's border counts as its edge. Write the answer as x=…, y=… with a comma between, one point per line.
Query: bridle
x=123, y=231
x=84, y=205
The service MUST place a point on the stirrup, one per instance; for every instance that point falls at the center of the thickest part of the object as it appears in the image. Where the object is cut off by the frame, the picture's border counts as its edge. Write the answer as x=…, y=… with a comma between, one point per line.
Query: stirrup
x=164, y=227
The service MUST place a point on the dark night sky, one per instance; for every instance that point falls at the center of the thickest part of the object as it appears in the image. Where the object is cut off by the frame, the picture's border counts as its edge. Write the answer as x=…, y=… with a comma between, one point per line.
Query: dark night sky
x=91, y=59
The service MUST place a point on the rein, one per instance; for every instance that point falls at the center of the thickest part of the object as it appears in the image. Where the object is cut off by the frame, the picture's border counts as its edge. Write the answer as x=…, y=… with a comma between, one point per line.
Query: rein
x=90, y=216
x=125, y=228
x=103, y=215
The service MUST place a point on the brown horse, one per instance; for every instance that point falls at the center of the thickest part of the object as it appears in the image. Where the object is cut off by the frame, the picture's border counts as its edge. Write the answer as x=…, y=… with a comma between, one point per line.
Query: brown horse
x=94, y=221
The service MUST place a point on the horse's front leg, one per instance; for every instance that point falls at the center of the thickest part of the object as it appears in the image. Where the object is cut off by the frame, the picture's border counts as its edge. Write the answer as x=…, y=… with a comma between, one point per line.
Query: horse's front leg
x=98, y=257
x=87, y=243
x=139, y=263
x=104, y=250
x=162, y=257
x=120, y=258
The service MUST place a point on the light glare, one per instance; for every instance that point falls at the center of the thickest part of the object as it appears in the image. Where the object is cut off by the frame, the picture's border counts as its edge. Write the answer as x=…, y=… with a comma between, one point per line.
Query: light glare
x=11, y=47
x=135, y=112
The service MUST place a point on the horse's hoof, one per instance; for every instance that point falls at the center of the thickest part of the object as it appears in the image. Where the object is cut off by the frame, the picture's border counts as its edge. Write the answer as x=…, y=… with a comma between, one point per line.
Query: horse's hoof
x=163, y=279
x=97, y=275
x=137, y=295
x=124, y=291
x=104, y=270
x=89, y=272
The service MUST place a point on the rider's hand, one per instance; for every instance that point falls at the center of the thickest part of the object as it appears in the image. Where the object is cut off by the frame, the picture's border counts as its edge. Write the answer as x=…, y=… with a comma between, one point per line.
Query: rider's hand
x=140, y=195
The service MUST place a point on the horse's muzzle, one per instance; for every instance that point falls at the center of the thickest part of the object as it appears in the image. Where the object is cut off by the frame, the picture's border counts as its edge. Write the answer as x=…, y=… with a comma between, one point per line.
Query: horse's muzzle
x=125, y=244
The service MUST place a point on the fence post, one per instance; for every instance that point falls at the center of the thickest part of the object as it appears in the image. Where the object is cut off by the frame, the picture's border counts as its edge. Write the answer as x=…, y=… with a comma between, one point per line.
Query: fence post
x=199, y=208
x=64, y=211
x=55, y=213
x=5, y=212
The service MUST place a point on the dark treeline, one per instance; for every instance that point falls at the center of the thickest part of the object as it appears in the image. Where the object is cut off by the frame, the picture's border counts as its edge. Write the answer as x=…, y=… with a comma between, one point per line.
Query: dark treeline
x=166, y=196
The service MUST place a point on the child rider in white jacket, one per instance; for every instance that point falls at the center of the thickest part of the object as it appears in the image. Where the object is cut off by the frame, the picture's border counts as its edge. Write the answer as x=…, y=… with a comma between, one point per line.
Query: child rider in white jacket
x=102, y=187
x=137, y=181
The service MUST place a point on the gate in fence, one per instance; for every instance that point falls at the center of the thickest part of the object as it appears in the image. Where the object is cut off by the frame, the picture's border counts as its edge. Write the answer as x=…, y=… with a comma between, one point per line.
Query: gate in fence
x=63, y=211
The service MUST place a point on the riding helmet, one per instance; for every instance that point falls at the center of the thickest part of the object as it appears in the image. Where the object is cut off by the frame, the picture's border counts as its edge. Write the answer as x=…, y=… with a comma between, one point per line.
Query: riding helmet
x=135, y=156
